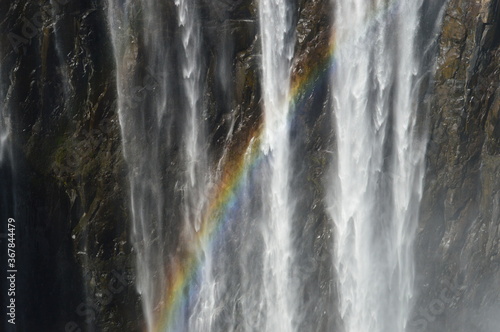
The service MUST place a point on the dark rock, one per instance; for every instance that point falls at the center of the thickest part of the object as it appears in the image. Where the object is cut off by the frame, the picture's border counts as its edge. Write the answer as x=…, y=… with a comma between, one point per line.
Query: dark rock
x=458, y=233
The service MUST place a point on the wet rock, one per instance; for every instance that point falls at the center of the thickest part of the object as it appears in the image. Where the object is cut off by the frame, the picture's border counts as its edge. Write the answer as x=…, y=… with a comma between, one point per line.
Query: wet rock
x=68, y=141
x=458, y=230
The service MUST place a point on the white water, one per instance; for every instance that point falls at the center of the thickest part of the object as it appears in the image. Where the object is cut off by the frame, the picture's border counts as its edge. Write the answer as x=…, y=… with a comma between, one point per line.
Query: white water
x=246, y=280
x=195, y=130
x=147, y=117
x=252, y=288
x=201, y=317
x=277, y=50
x=378, y=185
x=264, y=298
x=145, y=129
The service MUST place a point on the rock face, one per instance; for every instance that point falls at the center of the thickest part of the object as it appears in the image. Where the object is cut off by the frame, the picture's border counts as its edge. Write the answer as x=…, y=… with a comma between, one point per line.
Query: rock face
x=70, y=186
x=311, y=137
x=57, y=73
x=75, y=267
x=458, y=242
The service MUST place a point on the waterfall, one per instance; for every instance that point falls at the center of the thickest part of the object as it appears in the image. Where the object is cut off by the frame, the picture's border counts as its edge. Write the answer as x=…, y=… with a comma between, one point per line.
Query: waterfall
x=143, y=99
x=213, y=230
x=149, y=58
x=247, y=285
x=197, y=174
x=277, y=40
x=195, y=131
x=378, y=186
x=223, y=292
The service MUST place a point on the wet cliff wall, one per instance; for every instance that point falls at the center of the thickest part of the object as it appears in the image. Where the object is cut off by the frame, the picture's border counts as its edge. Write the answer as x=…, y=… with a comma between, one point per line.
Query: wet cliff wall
x=76, y=265
x=74, y=260
x=459, y=236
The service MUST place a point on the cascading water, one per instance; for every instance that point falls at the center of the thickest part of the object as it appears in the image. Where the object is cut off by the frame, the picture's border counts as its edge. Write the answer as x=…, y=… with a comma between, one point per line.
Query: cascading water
x=195, y=131
x=256, y=296
x=277, y=42
x=147, y=111
x=143, y=96
x=195, y=183
x=378, y=185
x=262, y=297
x=233, y=265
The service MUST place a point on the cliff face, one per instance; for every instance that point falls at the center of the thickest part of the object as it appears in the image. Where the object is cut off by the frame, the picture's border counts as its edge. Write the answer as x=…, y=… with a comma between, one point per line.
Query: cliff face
x=70, y=193
x=458, y=238
x=71, y=197
x=311, y=139
x=75, y=262
x=59, y=82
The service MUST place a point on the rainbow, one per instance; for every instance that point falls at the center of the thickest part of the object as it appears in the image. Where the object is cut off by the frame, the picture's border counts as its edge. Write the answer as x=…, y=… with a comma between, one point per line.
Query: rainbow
x=184, y=268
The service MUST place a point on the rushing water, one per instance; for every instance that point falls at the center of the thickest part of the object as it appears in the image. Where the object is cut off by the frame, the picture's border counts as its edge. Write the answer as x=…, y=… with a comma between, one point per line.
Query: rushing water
x=277, y=51
x=197, y=175
x=378, y=185
x=145, y=129
x=234, y=264
x=257, y=297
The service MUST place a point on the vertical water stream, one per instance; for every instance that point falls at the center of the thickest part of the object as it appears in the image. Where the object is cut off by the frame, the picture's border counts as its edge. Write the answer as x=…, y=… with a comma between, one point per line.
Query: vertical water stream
x=378, y=187
x=241, y=272
x=143, y=95
x=277, y=40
